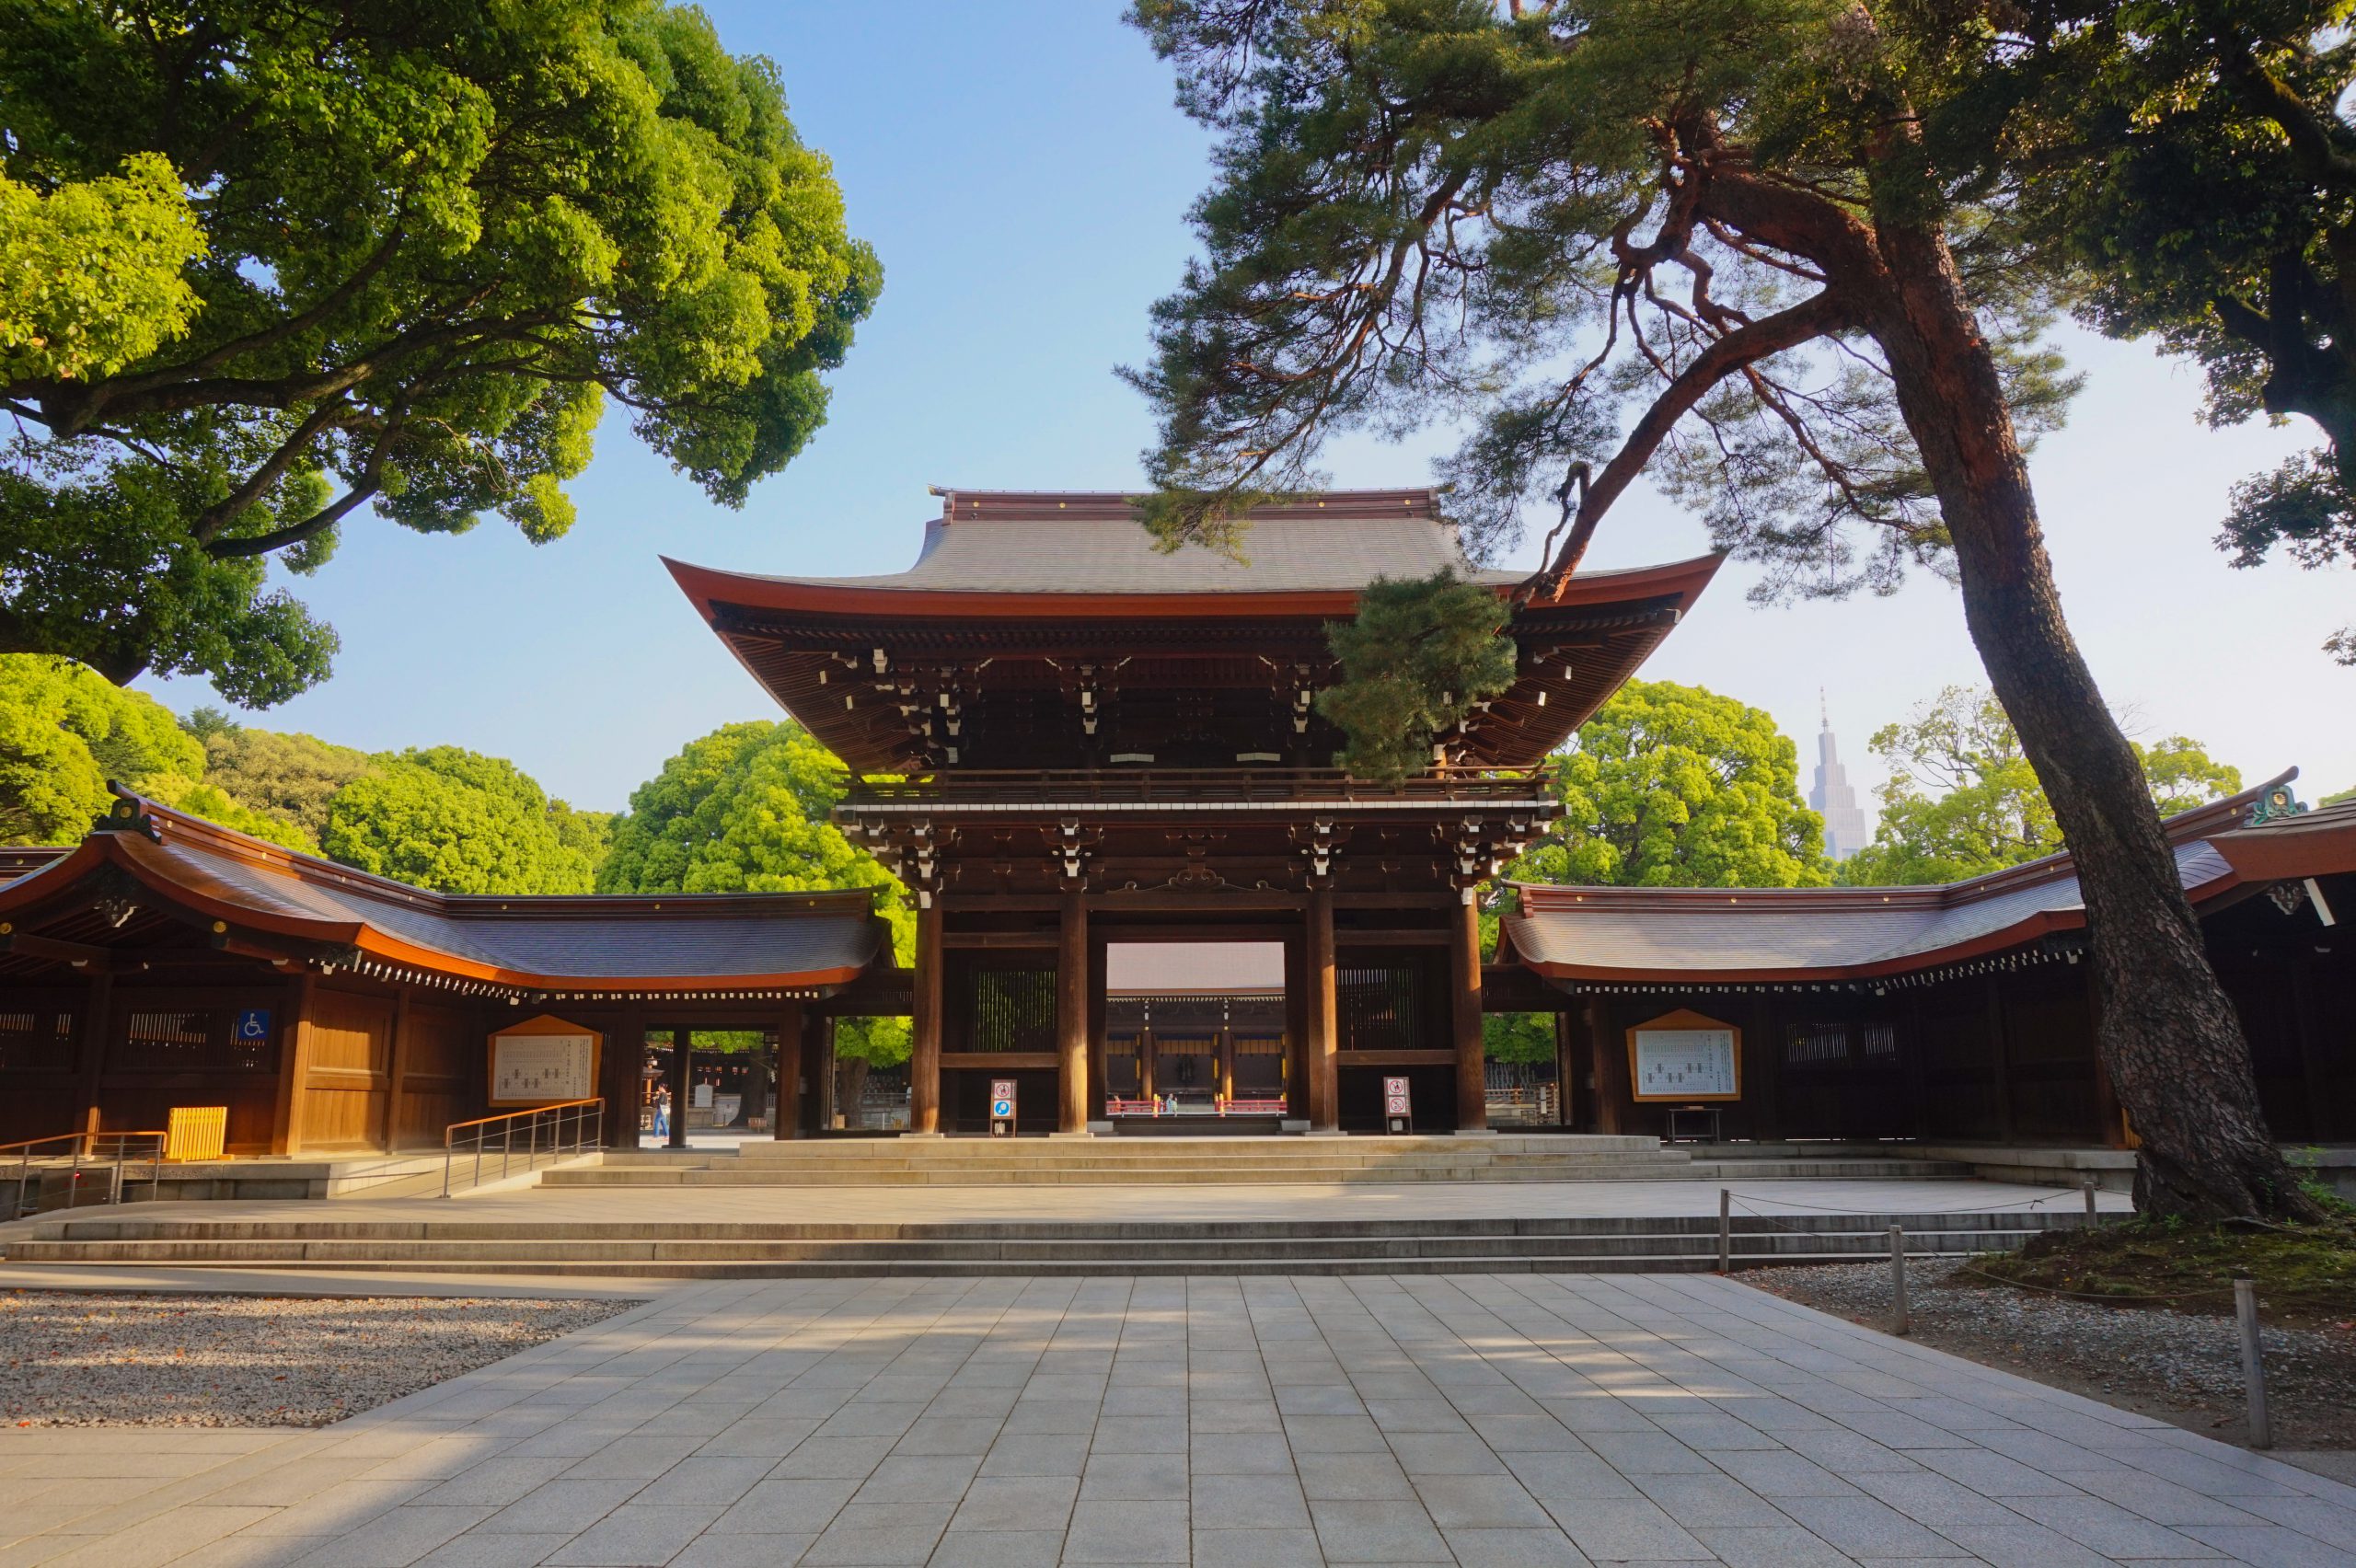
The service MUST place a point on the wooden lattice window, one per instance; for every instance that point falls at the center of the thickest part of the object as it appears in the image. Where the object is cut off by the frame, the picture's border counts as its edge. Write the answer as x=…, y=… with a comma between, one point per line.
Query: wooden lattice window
x=188, y=1040
x=1015, y=1010
x=36, y=1041
x=1382, y=1008
x=1820, y=1043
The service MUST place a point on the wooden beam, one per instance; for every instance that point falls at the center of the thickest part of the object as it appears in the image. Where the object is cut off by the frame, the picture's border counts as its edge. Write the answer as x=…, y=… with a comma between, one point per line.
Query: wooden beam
x=1000, y=1061
x=1071, y=1016
x=294, y=1064
x=51, y=947
x=1464, y=1018
x=924, y=1054
x=1324, y=1020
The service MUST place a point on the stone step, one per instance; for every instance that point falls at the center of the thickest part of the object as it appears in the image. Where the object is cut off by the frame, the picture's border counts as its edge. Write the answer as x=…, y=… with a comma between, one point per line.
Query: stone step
x=789, y=1248
x=691, y=1173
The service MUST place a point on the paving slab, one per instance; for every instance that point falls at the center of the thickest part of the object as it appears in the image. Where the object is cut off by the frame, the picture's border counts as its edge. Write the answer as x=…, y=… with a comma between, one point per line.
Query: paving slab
x=1475, y=1420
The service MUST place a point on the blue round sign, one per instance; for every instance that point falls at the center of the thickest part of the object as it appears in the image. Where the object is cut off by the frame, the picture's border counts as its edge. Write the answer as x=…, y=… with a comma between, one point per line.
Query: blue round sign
x=1003, y=1109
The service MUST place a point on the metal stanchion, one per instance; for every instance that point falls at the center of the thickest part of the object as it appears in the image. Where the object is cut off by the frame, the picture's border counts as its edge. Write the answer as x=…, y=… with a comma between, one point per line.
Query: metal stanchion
x=1900, y=1320
x=2261, y=1426
x=1726, y=1231
x=2091, y=1188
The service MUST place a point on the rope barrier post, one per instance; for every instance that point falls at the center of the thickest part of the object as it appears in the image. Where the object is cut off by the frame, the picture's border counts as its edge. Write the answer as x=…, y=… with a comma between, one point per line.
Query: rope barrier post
x=2090, y=1188
x=1900, y=1320
x=2261, y=1426
x=1726, y=1231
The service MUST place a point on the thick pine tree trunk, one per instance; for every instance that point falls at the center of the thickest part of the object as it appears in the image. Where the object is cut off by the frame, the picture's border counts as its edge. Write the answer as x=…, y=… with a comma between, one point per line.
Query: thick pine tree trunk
x=2168, y=1035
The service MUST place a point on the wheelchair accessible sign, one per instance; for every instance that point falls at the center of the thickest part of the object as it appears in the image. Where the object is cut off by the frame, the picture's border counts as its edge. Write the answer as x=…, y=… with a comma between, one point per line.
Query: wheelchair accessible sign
x=1002, y=1107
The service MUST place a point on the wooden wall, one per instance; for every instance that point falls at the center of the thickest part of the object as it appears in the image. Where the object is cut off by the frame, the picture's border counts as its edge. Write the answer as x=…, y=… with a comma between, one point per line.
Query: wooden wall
x=345, y=1093
x=442, y=1069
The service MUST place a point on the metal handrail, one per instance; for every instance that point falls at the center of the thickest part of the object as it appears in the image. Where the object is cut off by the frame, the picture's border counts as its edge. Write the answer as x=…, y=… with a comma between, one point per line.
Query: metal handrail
x=571, y=1128
x=81, y=1155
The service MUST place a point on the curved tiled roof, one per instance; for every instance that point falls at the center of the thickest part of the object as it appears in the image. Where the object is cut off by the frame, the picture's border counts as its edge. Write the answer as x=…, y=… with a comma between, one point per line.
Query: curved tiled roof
x=576, y=942
x=1735, y=934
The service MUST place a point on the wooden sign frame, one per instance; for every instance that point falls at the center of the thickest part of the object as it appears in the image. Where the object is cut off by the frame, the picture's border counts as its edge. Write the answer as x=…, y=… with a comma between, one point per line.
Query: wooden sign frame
x=1683, y=1018
x=542, y=1025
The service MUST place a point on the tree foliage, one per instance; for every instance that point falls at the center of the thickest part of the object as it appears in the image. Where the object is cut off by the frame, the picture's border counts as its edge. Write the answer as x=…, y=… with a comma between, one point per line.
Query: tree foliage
x=1676, y=786
x=2192, y=162
x=1419, y=658
x=65, y=733
x=285, y=775
x=745, y=810
x=1962, y=800
x=458, y=821
x=266, y=264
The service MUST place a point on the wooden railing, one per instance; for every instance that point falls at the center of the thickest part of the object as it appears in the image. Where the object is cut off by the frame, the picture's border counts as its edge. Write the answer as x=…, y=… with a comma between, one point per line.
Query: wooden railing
x=76, y=1168
x=520, y=1141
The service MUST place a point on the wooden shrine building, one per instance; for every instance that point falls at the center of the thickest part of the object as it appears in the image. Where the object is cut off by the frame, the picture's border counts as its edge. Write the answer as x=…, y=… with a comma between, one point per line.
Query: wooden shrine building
x=167, y=962
x=1952, y=1014
x=1068, y=739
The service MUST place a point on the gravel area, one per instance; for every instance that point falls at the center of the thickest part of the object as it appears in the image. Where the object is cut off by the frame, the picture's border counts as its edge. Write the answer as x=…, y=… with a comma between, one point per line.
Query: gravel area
x=148, y=1360
x=2181, y=1367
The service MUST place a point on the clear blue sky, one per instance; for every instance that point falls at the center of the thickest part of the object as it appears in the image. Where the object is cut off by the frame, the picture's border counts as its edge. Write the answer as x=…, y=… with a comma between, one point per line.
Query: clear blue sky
x=1020, y=171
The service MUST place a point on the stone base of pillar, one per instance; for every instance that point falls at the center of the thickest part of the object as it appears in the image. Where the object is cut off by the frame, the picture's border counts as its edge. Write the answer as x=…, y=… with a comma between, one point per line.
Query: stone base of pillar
x=1328, y=1132
x=1102, y=1129
x=1082, y=1134
x=1475, y=1133
x=1293, y=1124
x=924, y=1135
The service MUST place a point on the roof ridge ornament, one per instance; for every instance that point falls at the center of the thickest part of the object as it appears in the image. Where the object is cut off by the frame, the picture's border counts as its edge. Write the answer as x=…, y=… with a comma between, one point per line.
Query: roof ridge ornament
x=128, y=814
x=2276, y=804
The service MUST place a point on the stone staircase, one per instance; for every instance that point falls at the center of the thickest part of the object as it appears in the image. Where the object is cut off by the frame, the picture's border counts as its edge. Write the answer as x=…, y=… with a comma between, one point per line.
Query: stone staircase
x=1193, y=1161
x=806, y=1249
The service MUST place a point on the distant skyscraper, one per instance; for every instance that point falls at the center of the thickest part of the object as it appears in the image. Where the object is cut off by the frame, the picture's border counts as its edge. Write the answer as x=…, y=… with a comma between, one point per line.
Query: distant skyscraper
x=1834, y=799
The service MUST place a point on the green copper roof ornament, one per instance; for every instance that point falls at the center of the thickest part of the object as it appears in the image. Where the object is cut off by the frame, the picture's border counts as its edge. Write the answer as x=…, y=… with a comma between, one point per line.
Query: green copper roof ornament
x=2275, y=804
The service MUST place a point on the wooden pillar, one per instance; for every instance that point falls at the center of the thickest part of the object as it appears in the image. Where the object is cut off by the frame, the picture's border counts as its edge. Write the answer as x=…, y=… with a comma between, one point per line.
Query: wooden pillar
x=1609, y=1056
x=924, y=1053
x=1324, y=1016
x=1464, y=1016
x=1145, y=1060
x=1565, y=1073
x=785, y=1112
x=1296, y=1029
x=97, y=1036
x=294, y=1066
x=395, y=1069
x=1071, y=1015
x=1223, y=1063
x=821, y=1059
x=1097, y=1085
x=623, y=1081
x=683, y=1056
x=1999, y=1059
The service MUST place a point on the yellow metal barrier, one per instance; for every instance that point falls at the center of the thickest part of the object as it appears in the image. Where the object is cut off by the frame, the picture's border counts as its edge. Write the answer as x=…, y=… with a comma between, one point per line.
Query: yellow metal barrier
x=196, y=1132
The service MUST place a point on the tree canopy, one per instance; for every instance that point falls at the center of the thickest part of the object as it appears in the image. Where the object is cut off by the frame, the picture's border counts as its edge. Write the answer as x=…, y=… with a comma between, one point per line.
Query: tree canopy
x=458, y=821
x=2191, y=164
x=1711, y=240
x=285, y=775
x=1962, y=800
x=1676, y=786
x=744, y=810
x=1417, y=661
x=264, y=265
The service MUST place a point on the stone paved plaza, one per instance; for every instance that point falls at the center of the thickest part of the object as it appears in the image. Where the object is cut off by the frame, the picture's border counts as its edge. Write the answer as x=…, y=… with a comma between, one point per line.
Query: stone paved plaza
x=1490, y=1420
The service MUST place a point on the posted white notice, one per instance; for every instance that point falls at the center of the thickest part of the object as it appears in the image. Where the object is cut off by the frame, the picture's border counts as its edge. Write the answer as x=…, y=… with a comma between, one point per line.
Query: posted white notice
x=526, y=1068
x=1673, y=1063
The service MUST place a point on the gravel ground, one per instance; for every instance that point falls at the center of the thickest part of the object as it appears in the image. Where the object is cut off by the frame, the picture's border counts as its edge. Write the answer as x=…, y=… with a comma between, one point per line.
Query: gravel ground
x=144, y=1360
x=2182, y=1367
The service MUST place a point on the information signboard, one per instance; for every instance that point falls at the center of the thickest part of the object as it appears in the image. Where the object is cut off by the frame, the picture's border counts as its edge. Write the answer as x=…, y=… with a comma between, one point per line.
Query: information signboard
x=1398, y=1117
x=1685, y=1056
x=1002, y=1107
x=542, y=1061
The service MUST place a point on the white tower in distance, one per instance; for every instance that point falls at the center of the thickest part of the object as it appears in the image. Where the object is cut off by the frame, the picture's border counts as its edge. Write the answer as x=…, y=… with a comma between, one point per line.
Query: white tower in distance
x=1832, y=797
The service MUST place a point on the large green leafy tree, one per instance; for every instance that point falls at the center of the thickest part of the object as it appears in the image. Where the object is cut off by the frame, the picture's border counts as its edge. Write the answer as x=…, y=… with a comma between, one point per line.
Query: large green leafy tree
x=458, y=821
x=265, y=264
x=2193, y=163
x=286, y=774
x=1962, y=799
x=66, y=732
x=1707, y=238
x=1675, y=786
x=744, y=810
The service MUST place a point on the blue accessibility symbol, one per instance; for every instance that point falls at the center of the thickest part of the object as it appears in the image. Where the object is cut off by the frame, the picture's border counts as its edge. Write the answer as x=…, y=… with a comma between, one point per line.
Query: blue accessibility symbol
x=253, y=1024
